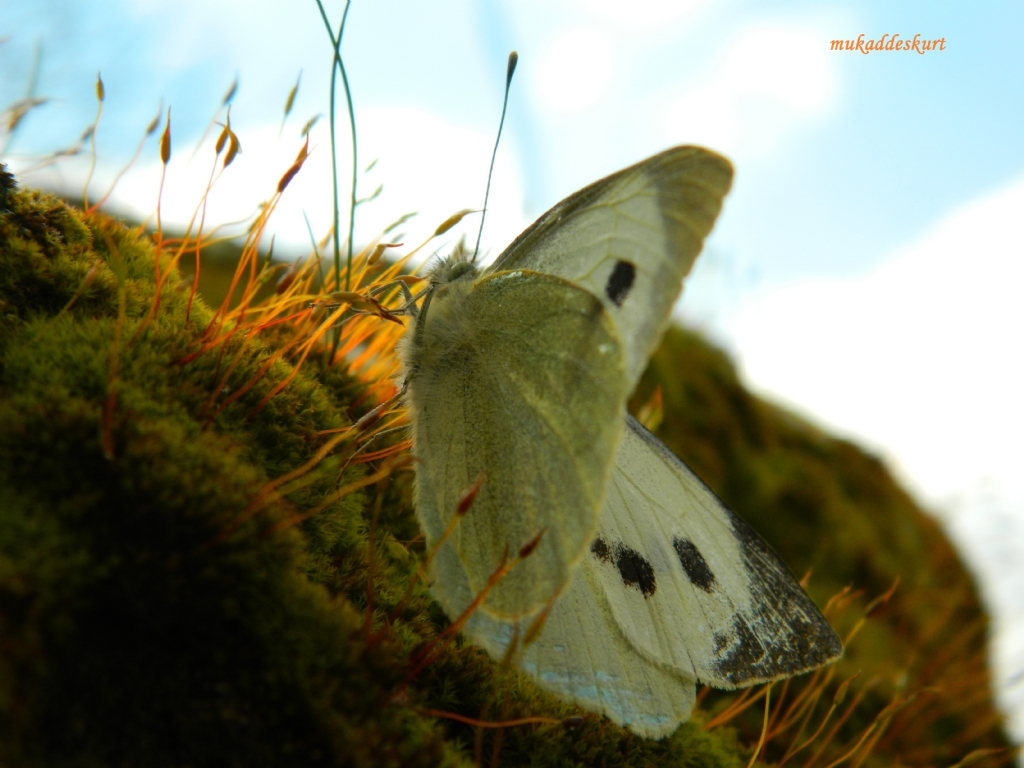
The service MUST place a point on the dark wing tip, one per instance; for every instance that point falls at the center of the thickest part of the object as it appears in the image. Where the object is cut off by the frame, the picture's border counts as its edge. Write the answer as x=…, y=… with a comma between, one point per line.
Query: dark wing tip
x=792, y=636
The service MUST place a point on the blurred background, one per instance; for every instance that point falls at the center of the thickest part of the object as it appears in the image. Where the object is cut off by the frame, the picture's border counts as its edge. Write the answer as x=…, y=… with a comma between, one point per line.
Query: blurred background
x=865, y=272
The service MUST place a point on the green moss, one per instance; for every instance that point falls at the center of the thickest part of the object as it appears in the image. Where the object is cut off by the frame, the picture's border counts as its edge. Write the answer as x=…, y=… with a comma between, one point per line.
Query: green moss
x=131, y=635
x=133, y=631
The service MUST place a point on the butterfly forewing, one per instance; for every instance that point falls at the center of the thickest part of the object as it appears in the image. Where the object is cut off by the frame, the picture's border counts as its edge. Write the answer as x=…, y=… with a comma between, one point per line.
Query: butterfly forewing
x=691, y=585
x=630, y=239
x=519, y=379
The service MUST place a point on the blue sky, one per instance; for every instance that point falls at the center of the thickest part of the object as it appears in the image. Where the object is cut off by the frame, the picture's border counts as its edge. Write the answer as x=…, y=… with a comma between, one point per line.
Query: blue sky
x=886, y=147
x=866, y=267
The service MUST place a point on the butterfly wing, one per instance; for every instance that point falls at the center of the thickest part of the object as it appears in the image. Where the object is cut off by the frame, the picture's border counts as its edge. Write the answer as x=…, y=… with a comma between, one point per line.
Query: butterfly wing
x=582, y=656
x=691, y=585
x=630, y=239
x=515, y=377
x=675, y=589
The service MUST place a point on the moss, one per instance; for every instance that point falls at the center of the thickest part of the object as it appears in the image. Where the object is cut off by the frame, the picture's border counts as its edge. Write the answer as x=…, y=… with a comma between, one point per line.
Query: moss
x=131, y=634
x=135, y=631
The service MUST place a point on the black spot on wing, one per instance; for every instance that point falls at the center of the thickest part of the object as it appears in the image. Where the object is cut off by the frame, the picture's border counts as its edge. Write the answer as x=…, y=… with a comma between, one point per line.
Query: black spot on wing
x=634, y=569
x=601, y=550
x=619, y=282
x=694, y=564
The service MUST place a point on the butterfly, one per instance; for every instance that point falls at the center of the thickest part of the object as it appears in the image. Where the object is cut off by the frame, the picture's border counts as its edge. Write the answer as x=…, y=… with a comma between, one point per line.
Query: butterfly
x=641, y=582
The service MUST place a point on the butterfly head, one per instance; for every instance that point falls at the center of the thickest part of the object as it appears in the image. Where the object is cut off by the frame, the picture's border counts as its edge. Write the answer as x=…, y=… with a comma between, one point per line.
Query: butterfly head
x=456, y=267
x=460, y=269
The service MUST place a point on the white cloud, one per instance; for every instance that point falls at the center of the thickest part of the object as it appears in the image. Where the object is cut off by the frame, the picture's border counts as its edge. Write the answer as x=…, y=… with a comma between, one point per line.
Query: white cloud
x=643, y=13
x=771, y=78
x=576, y=70
x=425, y=164
x=921, y=355
x=921, y=358
x=786, y=64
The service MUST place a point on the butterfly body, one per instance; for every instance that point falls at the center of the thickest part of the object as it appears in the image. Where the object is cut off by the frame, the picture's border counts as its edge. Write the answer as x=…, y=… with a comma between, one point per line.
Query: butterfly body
x=517, y=377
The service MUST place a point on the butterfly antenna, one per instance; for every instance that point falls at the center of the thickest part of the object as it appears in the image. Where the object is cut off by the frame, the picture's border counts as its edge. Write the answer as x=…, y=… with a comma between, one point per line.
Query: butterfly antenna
x=513, y=59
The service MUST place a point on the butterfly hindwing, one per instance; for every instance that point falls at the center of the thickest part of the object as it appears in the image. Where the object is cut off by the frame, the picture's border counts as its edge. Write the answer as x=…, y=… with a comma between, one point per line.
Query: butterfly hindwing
x=518, y=380
x=630, y=239
x=691, y=585
x=582, y=656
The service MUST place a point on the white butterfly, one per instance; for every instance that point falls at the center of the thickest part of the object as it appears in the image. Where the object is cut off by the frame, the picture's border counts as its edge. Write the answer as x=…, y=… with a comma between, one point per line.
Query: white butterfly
x=519, y=374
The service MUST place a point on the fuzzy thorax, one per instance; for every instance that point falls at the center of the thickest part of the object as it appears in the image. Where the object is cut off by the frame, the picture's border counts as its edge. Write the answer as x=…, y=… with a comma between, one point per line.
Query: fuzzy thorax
x=438, y=322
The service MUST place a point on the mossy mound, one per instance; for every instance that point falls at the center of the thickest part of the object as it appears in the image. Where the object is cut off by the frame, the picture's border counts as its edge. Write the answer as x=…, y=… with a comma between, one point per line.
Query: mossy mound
x=131, y=636
x=144, y=622
x=133, y=631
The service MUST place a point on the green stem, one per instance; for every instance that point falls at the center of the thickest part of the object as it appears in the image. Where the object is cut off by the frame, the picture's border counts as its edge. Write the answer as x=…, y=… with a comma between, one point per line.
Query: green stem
x=339, y=65
x=335, y=43
x=352, y=125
